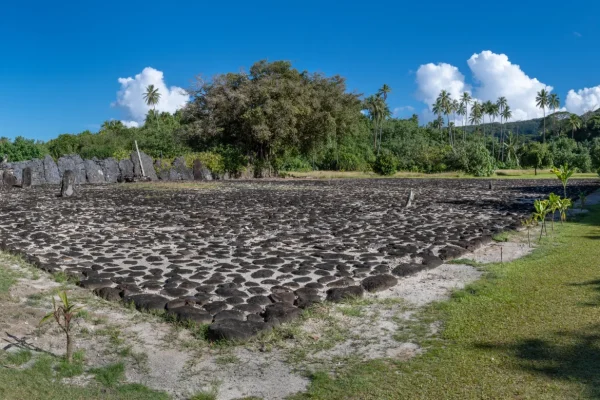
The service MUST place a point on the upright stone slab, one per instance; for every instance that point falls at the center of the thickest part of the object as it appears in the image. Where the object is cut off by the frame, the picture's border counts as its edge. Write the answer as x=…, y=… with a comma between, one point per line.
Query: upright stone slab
x=201, y=173
x=93, y=172
x=126, y=171
x=51, y=174
x=27, y=178
x=111, y=171
x=149, y=171
x=68, y=180
x=9, y=180
x=185, y=173
x=75, y=164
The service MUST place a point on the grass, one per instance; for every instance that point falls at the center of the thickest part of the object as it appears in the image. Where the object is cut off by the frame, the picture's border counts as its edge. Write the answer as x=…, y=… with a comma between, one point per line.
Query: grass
x=19, y=357
x=500, y=174
x=529, y=330
x=110, y=375
x=501, y=237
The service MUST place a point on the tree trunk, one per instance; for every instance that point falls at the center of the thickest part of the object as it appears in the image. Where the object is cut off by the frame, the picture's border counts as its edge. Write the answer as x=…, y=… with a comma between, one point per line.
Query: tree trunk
x=544, y=125
x=69, y=348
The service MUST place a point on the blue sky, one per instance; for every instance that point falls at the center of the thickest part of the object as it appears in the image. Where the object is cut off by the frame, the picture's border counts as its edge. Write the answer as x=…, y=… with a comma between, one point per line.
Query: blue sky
x=61, y=60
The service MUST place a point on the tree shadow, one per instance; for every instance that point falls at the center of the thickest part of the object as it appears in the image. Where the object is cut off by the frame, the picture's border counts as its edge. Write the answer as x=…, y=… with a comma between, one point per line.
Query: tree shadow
x=21, y=343
x=574, y=356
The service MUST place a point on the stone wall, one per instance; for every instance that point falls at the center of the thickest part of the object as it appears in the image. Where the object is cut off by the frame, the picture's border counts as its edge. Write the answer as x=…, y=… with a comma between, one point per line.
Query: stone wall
x=110, y=170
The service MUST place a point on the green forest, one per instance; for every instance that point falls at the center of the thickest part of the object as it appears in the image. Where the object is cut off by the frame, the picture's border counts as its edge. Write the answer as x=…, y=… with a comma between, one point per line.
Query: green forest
x=275, y=116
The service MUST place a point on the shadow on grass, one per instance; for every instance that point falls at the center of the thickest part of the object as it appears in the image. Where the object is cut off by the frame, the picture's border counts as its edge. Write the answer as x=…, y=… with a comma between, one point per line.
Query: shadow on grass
x=571, y=356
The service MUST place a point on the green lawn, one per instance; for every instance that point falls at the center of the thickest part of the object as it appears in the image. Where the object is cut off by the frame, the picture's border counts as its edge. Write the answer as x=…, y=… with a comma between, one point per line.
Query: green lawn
x=529, y=330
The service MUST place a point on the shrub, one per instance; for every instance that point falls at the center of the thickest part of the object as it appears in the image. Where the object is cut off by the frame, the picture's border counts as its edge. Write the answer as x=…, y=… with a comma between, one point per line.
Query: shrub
x=386, y=164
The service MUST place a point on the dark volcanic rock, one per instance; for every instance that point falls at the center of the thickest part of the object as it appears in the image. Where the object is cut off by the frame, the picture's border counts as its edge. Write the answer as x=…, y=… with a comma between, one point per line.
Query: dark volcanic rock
x=125, y=171
x=232, y=329
x=345, y=293
x=110, y=169
x=183, y=172
x=189, y=313
x=147, y=163
x=72, y=163
x=279, y=313
x=408, y=269
x=51, y=173
x=93, y=172
x=68, y=181
x=201, y=173
x=147, y=302
x=109, y=293
x=377, y=283
x=27, y=178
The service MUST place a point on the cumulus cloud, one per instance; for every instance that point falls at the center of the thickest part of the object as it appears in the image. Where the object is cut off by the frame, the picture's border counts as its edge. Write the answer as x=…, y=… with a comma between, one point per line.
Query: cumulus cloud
x=130, y=124
x=131, y=95
x=493, y=76
x=583, y=100
x=399, y=110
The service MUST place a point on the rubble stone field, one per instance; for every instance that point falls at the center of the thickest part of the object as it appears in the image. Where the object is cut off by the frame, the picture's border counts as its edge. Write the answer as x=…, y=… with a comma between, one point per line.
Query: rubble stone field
x=245, y=255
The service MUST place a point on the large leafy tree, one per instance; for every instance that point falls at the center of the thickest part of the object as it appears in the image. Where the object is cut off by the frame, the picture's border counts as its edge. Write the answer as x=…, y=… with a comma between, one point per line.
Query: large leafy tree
x=542, y=100
x=272, y=109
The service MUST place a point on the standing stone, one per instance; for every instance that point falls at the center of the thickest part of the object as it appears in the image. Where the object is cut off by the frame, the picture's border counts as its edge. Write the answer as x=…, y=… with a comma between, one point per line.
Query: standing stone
x=68, y=180
x=51, y=174
x=26, y=182
x=8, y=179
x=201, y=173
x=409, y=199
x=146, y=162
x=491, y=186
x=126, y=169
x=93, y=172
x=75, y=164
x=185, y=173
x=111, y=171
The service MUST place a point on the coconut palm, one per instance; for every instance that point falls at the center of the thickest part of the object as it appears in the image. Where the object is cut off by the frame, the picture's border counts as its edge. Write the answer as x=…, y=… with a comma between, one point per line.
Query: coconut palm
x=506, y=114
x=383, y=92
x=512, y=148
x=502, y=103
x=574, y=123
x=437, y=110
x=152, y=97
x=542, y=99
x=553, y=104
x=465, y=100
x=462, y=111
x=446, y=107
x=476, y=114
x=375, y=107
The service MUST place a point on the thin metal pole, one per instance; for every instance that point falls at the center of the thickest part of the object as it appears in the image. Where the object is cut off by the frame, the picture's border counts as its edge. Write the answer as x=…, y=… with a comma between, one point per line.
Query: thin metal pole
x=140, y=158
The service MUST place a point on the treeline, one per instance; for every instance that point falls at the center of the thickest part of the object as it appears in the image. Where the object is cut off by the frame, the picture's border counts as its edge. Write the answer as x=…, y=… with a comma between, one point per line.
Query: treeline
x=277, y=117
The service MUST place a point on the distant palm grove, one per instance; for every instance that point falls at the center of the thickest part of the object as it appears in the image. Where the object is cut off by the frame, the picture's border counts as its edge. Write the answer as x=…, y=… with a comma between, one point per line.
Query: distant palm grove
x=283, y=119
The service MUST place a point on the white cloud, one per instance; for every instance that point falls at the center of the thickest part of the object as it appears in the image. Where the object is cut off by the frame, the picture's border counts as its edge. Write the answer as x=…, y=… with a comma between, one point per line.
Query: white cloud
x=493, y=76
x=131, y=124
x=433, y=78
x=130, y=96
x=583, y=100
x=398, y=110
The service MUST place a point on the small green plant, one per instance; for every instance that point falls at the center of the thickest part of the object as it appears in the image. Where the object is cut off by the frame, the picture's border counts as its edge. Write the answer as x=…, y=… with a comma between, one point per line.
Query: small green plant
x=553, y=204
x=582, y=199
x=563, y=174
x=109, y=375
x=541, y=211
x=19, y=358
x=565, y=204
x=63, y=314
x=529, y=223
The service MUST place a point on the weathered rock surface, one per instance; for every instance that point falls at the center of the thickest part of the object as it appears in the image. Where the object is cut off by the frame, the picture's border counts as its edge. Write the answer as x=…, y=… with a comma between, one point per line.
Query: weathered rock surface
x=279, y=313
x=27, y=178
x=183, y=172
x=340, y=294
x=68, y=180
x=147, y=163
x=233, y=329
x=201, y=173
x=72, y=163
x=378, y=283
x=126, y=171
x=93, y=171
x=51, y=172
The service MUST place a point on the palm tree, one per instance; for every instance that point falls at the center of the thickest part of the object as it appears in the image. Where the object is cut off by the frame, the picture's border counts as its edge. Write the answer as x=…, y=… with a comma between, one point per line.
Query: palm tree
x=553, y=104
x=152, y=97
x=446, y=107
x=512, y=148
x=374, y=107
x=487, y=109
x=506, y=115
x=462, y=111
x=493, y=111
x=542, y=101
x=437, y=110
x=385, y=89
x=502, y=103
x=465, y=100
x=574, y=123
x=476, y=114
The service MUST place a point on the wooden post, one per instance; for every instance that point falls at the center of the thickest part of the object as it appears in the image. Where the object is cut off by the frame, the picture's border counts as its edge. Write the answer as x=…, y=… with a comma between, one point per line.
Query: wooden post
x=140, y=158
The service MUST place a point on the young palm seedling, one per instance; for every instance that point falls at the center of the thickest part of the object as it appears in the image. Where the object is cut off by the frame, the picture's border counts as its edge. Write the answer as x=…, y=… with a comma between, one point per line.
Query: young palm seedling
x=565, y=204
x=63, y=314
x=553, y=204
x=563, y=174
x=528, y=223
x=541, y=211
